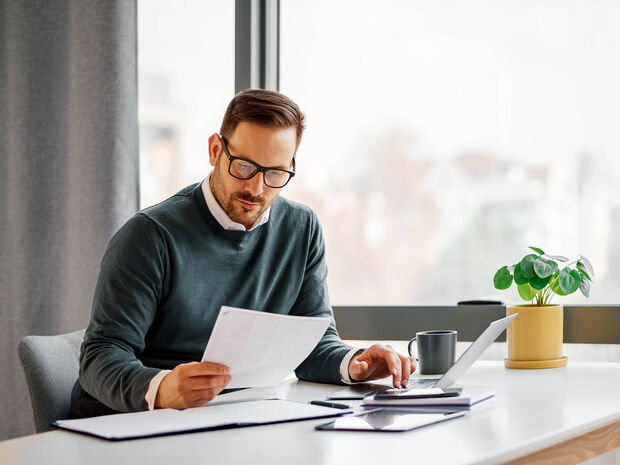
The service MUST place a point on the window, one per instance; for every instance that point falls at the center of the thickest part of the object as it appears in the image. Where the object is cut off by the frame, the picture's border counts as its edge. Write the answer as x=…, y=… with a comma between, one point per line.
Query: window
x=186, y=79
x=444, y=138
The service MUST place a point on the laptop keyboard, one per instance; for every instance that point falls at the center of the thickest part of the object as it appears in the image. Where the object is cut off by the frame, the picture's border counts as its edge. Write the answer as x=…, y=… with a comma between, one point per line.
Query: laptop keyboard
x=421, y=383
x=412, y=384
x=359, y=391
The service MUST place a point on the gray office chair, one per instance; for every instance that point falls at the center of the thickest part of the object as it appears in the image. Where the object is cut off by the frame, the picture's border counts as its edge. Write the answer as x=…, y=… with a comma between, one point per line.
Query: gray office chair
x=51, y=365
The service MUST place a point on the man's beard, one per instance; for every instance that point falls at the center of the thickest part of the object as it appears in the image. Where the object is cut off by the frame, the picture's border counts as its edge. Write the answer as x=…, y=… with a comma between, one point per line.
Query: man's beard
x=233, y=206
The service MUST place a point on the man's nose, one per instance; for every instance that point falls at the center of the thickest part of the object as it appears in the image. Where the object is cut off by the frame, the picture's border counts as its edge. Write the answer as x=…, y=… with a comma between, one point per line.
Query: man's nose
x=255, y=184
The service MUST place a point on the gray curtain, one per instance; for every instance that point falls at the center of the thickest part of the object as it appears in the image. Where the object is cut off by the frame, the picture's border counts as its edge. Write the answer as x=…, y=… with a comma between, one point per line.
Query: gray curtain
x=68, y=168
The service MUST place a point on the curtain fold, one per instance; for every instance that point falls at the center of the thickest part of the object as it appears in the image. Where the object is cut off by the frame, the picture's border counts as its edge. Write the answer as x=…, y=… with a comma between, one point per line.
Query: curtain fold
x=68, y=168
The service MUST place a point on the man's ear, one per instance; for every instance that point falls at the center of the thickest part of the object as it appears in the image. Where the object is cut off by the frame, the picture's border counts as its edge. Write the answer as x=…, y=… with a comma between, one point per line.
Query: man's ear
x=215, y=147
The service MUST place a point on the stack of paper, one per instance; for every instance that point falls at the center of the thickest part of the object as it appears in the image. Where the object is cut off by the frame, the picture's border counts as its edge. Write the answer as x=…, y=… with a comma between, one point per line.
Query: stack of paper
x=467, y=399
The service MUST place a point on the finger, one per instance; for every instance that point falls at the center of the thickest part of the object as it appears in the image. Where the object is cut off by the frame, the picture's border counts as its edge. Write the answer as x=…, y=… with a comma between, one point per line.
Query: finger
x=413, y=364
x=358, y=369
x=202, y=397
x=395, y=368
x=204, y=368
x=405, y=363
x=198, y=383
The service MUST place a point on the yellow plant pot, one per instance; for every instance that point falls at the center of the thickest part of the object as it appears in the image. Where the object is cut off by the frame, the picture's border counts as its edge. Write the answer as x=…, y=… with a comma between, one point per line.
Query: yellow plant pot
x=535, y=337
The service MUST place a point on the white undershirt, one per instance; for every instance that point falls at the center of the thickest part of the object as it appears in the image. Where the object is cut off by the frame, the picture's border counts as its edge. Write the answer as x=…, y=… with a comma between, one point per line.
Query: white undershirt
x=223, y=219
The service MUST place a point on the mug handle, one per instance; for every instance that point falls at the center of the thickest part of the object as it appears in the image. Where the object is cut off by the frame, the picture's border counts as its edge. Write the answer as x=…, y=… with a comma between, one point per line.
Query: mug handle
x=409, y=349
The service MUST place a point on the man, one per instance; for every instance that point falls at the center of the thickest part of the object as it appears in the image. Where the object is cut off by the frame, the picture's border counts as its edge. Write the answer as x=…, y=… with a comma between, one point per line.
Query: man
x=230, y=240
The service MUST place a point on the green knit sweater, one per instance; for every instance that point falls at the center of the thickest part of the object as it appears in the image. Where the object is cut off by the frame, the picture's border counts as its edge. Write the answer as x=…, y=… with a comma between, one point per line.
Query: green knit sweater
x=167, y=272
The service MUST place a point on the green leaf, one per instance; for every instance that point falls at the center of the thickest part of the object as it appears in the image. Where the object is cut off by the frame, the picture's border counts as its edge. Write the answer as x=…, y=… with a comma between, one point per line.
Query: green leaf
x=502, y=279
x=588, y=265
x=527, y=265
x=569, y=280
x=584, y=287
x=539, y=283
x=555, y=287
x=559, y=258
x=519, y=276
x=544, y=268
x=537, y=250
x=583, y=272
x=526, y=292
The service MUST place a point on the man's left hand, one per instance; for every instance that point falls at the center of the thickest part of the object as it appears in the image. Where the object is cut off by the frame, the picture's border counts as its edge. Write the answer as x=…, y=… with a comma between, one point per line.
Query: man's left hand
x=380, y=361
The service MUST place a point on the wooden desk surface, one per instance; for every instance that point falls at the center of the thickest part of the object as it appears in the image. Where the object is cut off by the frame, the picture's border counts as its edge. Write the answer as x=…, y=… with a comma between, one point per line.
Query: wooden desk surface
x=563, y=415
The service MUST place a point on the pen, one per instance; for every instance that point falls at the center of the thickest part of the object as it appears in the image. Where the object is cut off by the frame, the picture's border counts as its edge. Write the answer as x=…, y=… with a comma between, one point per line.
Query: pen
x=323, y=403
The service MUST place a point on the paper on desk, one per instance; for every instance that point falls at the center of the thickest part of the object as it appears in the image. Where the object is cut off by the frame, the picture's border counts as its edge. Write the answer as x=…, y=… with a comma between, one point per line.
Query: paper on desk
x=165, y=421
x=261, y=348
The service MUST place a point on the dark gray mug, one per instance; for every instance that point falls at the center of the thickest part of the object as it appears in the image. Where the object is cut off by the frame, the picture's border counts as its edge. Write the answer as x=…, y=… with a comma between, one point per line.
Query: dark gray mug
x=436, y=351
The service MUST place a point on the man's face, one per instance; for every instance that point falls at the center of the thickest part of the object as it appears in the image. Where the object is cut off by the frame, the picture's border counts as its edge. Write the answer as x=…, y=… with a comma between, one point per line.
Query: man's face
x=245, y=200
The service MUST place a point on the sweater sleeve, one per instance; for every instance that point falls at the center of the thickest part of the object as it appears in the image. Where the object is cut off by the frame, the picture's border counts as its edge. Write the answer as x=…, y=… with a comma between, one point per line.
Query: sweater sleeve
x=323, y=363
x=129, y=287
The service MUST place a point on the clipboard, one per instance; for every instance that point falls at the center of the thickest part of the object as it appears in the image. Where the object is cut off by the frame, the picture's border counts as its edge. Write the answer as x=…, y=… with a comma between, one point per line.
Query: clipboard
x=222, y=415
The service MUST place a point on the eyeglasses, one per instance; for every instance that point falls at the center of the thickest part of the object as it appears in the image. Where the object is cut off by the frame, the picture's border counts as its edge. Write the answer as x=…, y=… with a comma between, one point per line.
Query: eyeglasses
x=241, y=168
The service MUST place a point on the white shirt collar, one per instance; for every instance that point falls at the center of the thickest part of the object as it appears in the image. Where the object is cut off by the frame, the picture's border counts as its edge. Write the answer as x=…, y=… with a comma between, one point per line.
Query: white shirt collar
x=220, y=215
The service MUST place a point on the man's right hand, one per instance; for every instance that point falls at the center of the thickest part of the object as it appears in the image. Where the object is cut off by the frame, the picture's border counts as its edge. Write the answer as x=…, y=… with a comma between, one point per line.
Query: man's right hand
x=192, y=384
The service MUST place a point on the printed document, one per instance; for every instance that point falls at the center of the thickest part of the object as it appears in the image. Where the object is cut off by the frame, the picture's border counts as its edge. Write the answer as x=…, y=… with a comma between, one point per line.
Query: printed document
x=261, y=348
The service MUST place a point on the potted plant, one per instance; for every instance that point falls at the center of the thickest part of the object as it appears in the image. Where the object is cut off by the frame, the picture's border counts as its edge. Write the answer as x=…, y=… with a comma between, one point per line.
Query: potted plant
x=535, y=337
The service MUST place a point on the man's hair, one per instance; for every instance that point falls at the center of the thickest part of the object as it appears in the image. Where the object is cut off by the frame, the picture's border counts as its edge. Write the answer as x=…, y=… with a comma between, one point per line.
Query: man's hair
x=263, y=107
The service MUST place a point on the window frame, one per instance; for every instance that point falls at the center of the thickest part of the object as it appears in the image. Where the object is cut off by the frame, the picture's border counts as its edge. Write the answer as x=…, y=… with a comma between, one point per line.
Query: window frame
x=257, y=44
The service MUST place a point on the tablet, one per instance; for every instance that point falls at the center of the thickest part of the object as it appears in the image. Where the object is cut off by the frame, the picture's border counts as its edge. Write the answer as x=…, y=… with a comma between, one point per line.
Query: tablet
x=388, y=420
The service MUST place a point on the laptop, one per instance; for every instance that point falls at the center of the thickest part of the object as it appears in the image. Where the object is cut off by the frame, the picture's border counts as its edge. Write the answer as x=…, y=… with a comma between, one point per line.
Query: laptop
x=475, y=350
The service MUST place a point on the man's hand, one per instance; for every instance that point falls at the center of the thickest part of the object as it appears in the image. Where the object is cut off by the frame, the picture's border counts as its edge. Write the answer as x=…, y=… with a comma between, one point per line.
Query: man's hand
x=191, y=385
x=380, y=361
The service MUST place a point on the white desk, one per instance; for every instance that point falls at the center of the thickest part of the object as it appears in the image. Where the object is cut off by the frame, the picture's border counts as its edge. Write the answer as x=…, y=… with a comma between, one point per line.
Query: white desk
x=533, y=410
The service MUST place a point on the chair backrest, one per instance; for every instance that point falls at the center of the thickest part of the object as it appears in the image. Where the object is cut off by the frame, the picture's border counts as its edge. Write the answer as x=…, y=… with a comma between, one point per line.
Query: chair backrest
x=51, y=365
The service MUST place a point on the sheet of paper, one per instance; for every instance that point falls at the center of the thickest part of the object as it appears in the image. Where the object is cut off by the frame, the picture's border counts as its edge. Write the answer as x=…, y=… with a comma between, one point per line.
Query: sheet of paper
x=261, y=348
x=164, y=421
x=259, y=412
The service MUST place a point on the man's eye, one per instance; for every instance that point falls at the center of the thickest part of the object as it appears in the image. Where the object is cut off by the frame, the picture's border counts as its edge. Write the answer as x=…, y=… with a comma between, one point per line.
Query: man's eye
x=246, y=167
x=243, y=168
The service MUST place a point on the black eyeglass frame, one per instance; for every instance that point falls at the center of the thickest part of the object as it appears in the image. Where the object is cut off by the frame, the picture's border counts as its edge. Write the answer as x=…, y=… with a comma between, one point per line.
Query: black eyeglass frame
x=259, y=168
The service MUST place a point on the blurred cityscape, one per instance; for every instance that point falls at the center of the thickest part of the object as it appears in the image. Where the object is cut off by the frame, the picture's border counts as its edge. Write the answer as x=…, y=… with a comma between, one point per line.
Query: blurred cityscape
x=428, y=171
x=417, y=230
